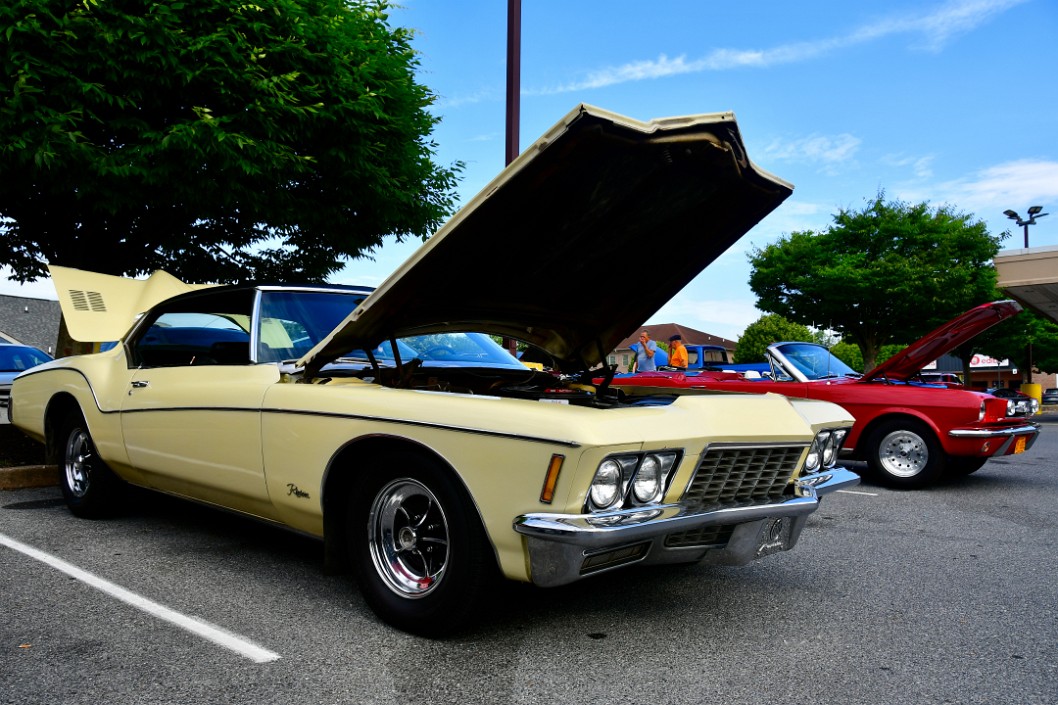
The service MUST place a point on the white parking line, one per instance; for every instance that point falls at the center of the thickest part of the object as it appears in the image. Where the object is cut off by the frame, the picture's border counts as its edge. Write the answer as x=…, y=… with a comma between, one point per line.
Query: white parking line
x=865, y=494
x=208, y=631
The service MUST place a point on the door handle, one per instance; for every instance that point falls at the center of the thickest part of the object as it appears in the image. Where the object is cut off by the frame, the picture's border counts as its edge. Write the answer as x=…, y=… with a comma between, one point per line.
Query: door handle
x=140, y=384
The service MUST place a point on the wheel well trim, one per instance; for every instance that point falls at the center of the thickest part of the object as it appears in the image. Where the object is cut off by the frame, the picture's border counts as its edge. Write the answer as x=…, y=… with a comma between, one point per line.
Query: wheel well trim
x=336, y=482
x=895, y=415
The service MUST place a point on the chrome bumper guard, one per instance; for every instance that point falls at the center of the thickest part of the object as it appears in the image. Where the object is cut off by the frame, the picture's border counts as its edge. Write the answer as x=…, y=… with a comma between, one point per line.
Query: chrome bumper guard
x=564, y=548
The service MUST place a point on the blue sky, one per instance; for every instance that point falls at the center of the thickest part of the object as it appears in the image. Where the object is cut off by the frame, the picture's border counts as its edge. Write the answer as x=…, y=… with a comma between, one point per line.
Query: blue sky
x=953, y=102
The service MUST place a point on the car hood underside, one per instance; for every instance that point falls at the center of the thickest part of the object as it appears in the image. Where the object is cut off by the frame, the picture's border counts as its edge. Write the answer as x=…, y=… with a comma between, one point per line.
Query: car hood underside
x=583, y=237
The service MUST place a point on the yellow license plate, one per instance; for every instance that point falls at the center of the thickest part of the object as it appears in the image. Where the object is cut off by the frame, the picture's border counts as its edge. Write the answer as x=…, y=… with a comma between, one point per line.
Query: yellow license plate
x=1019, y=444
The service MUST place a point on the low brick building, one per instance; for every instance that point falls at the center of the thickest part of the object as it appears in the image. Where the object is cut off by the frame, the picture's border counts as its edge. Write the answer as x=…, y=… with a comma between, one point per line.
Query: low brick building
x=623, y=356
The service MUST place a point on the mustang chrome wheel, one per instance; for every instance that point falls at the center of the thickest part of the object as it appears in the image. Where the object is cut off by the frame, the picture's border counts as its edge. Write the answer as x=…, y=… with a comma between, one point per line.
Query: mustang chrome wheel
x=903, y=453
x=408, y=537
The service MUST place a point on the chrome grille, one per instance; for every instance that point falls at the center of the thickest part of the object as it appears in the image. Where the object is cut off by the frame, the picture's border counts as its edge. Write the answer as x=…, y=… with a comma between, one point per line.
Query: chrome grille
x=737, y=475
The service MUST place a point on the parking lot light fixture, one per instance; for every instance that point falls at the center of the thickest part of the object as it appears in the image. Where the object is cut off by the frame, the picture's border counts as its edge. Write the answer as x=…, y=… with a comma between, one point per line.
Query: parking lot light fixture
x=1034, y=213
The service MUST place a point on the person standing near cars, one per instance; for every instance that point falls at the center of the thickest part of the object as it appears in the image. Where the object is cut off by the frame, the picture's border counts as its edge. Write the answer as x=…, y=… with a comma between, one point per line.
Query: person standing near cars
x=645, y=350
x=677, y=353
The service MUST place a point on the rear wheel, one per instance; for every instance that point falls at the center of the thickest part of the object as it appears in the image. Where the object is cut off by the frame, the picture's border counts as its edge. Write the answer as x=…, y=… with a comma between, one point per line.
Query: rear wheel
x=904, y=453
x=90, y=488
x=422, y=559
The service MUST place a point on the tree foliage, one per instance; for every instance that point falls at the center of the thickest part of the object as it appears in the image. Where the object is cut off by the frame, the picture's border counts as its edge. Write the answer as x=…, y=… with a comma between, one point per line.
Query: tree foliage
x=888, y=273
x=850, y=354
x=768, y=329
x=1011, y=340
x=217, y=139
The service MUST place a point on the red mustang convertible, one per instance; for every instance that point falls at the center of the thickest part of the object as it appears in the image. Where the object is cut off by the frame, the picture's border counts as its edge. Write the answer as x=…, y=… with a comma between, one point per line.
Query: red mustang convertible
x=909, y=432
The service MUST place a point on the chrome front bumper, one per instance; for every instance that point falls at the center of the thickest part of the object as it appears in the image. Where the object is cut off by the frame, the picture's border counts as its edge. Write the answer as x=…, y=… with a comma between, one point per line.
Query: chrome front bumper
x=1009, y=434
x=564, y=548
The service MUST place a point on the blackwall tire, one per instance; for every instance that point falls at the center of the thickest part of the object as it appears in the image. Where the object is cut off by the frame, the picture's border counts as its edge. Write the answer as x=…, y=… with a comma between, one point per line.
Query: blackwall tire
x=89, y=486
x=420, y=553
x=904, y=454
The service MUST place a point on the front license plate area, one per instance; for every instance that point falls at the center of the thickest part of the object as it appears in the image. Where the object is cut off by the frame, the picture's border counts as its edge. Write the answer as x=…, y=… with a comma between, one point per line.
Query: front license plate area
x=774, y=536
x=1019, y=444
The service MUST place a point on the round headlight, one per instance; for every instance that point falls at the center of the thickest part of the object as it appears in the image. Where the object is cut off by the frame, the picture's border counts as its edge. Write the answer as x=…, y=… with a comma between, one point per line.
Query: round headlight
x=828, y=451
x=606, y=487
x=1034, y=404
x=815, y=452
x=647, y=484
x=830, y=455
x=1012, y=407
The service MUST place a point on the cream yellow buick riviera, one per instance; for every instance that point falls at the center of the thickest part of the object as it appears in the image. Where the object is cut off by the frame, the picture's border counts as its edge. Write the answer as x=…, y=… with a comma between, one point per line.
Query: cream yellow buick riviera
x=390, y=424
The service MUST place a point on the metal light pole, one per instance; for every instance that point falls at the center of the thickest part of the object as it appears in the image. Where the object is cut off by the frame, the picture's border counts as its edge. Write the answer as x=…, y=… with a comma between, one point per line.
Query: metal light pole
x=514, y=89
x=1034, y=213
x=514, y=72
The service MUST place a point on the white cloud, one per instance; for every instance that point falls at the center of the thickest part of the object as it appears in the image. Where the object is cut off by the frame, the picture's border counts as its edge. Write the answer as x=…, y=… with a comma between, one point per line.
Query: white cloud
x=826, y=152
x=921, y=167
x=930, y=30
x=1016, y=184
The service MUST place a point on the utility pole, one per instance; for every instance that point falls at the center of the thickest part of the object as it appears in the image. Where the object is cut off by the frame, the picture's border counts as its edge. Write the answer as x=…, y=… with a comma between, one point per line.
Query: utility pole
x=514, y=89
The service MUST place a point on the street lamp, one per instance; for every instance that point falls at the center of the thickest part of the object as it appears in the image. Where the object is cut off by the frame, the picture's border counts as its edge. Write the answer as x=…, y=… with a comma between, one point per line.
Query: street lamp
x=1034, y=213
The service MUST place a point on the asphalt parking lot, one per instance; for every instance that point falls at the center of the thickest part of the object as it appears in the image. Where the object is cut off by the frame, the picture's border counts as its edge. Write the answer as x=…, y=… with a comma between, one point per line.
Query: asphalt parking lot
x=940, y=596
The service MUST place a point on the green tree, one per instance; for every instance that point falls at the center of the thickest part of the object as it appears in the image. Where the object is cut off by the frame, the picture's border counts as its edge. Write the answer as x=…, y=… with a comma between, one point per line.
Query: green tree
x=1011, y=340
x=217, y=139
x=850, y=354
x=887, y=273
x=768, y=329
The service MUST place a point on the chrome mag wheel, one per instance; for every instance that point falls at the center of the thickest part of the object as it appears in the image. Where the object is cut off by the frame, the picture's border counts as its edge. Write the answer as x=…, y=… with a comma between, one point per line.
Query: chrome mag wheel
x=408, y=538
x=78, y=461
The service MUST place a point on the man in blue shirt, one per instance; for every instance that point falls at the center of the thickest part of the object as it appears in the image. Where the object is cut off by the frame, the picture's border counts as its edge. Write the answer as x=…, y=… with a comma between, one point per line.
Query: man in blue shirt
x=645, y=350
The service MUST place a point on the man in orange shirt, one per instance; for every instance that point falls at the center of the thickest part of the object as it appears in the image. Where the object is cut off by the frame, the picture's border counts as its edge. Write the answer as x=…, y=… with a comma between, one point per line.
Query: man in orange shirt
x=677, y=353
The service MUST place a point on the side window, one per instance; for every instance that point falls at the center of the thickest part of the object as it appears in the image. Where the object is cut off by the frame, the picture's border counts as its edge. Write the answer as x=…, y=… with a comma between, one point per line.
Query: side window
x=182, y=338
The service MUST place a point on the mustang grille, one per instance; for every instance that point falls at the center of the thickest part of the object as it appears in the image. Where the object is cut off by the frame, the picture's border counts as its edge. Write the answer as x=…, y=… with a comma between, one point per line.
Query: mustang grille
x=736, y=475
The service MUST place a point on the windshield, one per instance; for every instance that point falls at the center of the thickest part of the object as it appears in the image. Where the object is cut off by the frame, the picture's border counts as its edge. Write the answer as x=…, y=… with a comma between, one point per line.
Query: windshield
x=15, y=358
x=815, y=362
x=442, y=350
x=293, y=322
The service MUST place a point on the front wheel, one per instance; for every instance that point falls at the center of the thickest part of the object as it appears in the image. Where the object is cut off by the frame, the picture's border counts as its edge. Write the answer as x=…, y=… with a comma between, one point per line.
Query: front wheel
x=90, y=488
x=421, y=556
x=904, y=454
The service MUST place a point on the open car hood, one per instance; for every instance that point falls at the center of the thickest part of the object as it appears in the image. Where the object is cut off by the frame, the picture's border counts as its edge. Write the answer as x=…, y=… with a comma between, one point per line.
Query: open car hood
x=910, y=361
x=578, y=241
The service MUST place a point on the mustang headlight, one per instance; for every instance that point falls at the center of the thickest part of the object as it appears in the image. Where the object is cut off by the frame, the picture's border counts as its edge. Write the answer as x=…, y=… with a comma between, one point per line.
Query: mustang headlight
x=631, y=480
x=1012, y=407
